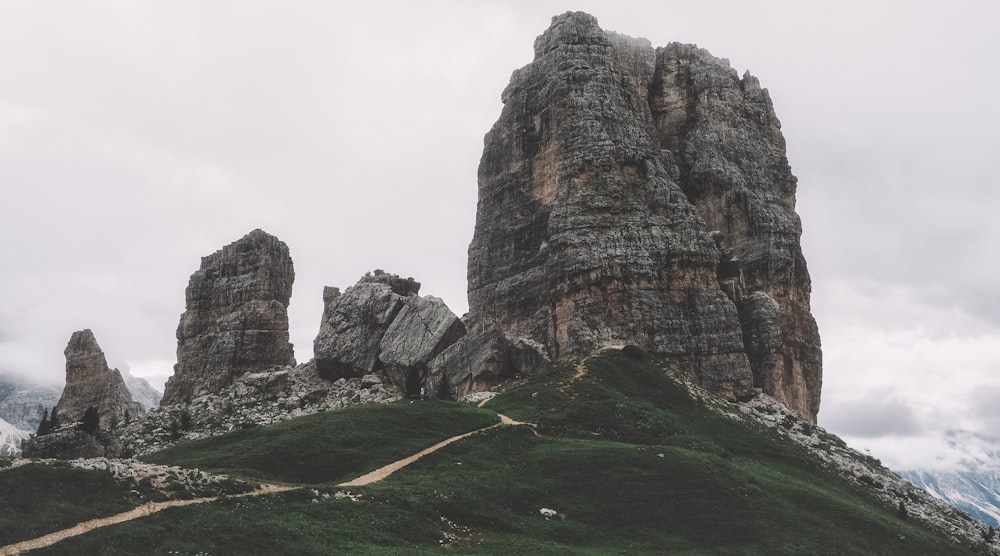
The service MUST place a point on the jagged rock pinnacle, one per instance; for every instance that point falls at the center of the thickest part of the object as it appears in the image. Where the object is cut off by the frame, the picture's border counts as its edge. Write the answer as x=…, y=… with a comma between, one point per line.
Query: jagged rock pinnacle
x=90, y=383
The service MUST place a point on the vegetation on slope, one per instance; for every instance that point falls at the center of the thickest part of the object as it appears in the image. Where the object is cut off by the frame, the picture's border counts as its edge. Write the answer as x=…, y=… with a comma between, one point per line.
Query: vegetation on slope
x=328, y=447
x=626, y=461
x=38, y=499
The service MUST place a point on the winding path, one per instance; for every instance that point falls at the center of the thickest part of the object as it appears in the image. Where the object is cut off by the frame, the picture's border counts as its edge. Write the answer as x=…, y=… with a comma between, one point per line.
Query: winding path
x=581, y=367
x=135, y=513
x=383, y=472
x=366, y=479
x=154, y=507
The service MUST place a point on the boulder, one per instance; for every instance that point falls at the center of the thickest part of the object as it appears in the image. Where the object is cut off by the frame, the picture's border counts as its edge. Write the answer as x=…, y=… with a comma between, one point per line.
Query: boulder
x=382, y=325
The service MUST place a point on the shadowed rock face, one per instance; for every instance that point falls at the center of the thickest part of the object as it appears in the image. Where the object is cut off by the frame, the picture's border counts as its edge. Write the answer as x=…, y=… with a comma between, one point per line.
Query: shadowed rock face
x=90, y=383
x=637, y=195
x=236, y=321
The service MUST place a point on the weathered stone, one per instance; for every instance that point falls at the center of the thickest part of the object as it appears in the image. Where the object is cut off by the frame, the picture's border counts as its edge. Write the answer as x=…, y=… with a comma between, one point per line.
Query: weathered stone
x=90, y=383
x=730, y=152
x=482, y=359
x=72, y=443
x=381, y=324
x=255, y=399
x=236, y=317
x=599, y=188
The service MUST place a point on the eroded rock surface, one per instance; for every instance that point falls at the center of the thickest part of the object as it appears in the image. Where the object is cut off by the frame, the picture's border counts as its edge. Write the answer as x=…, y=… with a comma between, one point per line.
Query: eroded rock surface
x=382, y=325
x=90, y=383
x=484, y=359
x=236, y=317
x=637, y=195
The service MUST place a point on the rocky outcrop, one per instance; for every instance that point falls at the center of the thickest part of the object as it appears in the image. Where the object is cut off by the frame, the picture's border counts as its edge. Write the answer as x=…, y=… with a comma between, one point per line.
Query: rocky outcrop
x=382, y=325
x=90, y=383
x=254, y=399
x=236, y=317
x=637, y=195
x=70, y=443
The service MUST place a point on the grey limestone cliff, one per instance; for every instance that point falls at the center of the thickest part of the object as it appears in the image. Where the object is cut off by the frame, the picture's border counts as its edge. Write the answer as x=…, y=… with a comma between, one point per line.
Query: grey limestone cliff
x=236, y=317
x=90, y=383
x=631, y=194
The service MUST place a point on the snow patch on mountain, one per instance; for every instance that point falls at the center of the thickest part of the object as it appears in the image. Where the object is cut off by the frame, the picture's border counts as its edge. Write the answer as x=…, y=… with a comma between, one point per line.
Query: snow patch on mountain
x=976, y=492
x=10, y=439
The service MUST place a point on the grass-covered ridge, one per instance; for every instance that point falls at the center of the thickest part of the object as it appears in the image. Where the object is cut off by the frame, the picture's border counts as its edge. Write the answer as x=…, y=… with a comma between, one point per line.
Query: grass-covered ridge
x=328, y=447
x=626, y=458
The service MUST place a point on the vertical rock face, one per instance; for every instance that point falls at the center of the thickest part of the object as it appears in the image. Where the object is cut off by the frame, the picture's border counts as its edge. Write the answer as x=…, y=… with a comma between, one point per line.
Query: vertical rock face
x=90, y=383
x=381, y=324
x=236, y=319
x=637, y=195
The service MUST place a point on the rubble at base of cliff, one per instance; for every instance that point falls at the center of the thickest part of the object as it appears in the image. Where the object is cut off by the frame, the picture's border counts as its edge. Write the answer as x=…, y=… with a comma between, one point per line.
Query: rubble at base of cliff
x=254, y=400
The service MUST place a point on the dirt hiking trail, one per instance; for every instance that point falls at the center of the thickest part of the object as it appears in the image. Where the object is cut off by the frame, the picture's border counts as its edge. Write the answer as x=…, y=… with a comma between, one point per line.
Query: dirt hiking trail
x=581, y=367
x=366, y=479
x=142, y=511
x=385, y=471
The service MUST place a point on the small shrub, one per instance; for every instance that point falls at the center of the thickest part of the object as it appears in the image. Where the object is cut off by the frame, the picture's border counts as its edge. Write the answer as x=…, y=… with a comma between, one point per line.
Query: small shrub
x=91, y=420
x=633, y=351
x=185, y=422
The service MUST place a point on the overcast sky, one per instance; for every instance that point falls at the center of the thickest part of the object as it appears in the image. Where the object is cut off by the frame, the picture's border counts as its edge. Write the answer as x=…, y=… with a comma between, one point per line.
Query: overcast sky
x=137, y=137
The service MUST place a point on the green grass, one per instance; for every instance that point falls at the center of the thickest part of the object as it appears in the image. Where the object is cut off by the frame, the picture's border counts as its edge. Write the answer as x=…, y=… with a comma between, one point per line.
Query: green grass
x=630, y=461
x=38, y=499
x=328, y=447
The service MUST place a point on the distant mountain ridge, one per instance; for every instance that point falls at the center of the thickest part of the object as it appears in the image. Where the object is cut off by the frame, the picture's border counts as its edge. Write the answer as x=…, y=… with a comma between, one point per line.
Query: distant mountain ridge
x=23, y=402
x=977, y=492
x=10, y=439
x=142, y=391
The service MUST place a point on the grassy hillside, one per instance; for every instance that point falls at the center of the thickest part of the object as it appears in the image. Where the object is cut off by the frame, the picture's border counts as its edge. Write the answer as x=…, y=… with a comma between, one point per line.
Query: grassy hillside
x=328, y=447
x=36, y=500
x=626, y=461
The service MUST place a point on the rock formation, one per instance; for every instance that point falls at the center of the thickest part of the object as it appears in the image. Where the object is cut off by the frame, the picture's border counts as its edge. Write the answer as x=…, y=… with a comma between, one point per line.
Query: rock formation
x=381, y=324
x=637, y=195
x=90, y=383
x=72, y=443
x=254, y=399
x=483, y=359
x=236, y=319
